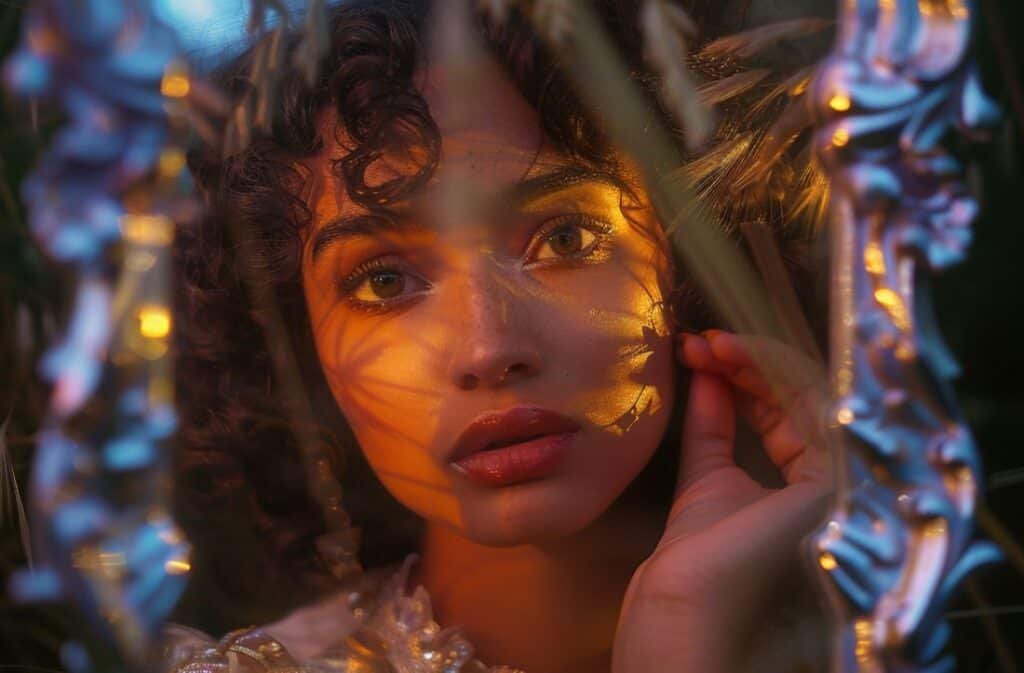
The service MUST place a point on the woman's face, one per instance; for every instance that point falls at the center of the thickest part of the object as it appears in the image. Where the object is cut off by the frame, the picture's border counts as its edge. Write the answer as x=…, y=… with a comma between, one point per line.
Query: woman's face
x=499, y=348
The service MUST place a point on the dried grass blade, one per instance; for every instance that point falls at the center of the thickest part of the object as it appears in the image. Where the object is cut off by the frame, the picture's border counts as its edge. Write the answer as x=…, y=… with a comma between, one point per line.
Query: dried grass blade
x=554, y=19
x=814, y=195
x=497, y=9
x=769, y=262
x=10, y=494
x=995, y=529
x=315, y=41
x=665, y=28
x=724, y=276
x=727, y=88
x=719, y=159
x=793, y=86
x=793, y=121
x=468, y=73
x=751, y=42
x=1003, y=654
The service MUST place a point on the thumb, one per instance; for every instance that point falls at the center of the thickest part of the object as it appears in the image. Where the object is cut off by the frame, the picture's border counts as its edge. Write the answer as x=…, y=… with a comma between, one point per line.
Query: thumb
x=709, y=430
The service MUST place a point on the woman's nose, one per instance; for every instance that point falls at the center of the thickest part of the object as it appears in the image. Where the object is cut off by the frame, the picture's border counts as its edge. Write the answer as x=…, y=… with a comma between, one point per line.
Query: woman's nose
x=496, y=344
x=493, y=366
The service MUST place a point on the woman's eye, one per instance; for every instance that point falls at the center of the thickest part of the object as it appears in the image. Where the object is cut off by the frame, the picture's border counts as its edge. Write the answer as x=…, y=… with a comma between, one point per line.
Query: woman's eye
x=386, y=284
x=565, y=240
x=380, y=282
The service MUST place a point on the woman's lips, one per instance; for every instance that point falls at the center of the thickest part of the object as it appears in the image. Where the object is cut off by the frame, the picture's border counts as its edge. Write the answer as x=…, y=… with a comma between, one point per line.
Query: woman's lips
x=513, y=446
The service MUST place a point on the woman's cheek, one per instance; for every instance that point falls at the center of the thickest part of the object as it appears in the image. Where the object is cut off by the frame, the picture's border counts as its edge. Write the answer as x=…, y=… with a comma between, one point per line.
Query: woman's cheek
x=619, y=339
x=383, y=385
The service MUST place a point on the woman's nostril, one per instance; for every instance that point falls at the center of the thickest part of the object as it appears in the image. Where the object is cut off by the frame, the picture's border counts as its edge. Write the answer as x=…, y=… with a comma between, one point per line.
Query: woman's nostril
x=515, y=370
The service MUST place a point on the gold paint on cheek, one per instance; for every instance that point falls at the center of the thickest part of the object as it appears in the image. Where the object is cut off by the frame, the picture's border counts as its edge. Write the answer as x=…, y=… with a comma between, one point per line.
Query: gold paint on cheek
x=633, y=382
x=617, y=406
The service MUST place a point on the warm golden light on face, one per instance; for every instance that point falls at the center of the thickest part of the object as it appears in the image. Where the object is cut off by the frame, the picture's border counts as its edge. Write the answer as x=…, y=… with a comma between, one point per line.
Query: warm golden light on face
x=582, y=329
x=841, y=137
x=154, y=322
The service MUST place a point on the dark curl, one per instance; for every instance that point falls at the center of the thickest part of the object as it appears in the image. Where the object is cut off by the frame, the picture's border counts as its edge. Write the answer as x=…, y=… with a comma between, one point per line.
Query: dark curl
x=241, y=491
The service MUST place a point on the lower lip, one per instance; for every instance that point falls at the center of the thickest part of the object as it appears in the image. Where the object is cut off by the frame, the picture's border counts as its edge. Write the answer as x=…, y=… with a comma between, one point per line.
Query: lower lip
x=517, y=463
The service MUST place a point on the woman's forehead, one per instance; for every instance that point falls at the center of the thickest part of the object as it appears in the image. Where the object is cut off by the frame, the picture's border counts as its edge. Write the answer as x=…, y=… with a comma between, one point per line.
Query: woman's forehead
x=495, y=176
x=493, y=150
x=491, y=118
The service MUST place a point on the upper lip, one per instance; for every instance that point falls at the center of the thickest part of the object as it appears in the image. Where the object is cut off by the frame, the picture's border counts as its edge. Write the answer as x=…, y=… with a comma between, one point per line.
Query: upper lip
x=512, y=426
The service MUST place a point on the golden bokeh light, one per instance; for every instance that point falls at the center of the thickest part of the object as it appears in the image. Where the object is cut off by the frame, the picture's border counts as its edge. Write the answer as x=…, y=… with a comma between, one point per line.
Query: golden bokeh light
x=840, y=102
x=172, y=161
x=154, y=322
x=874, y=258
x=175, y=85
x=177, y=567
x=155, y=230
x=893, y=304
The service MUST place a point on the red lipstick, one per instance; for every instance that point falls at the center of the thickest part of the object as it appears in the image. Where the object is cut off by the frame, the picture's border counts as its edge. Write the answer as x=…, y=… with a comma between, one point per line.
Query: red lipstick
x=513, y=446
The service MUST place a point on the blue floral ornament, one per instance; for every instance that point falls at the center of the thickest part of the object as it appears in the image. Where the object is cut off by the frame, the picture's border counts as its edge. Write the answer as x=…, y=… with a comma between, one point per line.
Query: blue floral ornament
x=100, y=487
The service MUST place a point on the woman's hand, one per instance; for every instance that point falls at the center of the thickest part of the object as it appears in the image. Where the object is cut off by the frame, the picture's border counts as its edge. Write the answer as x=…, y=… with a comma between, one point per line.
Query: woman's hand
x=704, y=597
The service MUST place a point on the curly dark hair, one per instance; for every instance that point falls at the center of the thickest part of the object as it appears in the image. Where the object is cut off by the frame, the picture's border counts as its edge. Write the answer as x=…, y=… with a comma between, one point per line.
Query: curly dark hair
x=241, y=490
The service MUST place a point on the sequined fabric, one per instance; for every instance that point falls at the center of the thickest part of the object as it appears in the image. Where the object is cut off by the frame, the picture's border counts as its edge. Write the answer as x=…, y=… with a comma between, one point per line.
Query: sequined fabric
x=392, y=631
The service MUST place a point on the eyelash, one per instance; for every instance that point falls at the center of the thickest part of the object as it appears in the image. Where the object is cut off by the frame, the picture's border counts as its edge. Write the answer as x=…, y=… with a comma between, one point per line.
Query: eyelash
x=600, y=230
x=362, y=273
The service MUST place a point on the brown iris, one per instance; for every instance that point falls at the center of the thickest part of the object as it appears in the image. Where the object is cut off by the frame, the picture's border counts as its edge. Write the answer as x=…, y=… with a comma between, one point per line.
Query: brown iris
x=387, y=284
x=566, y=240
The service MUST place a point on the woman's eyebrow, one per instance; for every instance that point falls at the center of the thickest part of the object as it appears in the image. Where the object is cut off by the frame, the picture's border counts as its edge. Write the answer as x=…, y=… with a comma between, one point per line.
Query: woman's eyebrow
x=347, y=226
x=562, y=177
x=526, y=190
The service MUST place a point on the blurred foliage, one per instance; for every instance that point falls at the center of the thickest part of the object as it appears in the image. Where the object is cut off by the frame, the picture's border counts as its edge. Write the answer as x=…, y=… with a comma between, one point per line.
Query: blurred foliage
x=31, y=299
x=980, y=306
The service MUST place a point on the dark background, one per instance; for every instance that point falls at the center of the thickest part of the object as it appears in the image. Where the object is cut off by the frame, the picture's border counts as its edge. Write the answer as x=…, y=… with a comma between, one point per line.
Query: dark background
x=980, y=306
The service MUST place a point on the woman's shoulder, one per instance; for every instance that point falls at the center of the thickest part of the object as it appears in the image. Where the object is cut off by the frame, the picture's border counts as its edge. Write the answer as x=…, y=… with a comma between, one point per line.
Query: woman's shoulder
x=375, y=624
x=289, y=644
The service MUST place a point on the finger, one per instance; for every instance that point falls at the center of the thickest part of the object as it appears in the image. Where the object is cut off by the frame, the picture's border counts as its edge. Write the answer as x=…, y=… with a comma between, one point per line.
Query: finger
x=760, y=366
x=791, y=441
x=695, y=352
x=709, y=430
x=724, y=354
x=786, y=412
x=778, y=363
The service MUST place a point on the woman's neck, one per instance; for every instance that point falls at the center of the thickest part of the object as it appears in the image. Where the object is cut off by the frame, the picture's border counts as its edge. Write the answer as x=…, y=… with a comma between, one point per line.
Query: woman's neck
x=548, y=608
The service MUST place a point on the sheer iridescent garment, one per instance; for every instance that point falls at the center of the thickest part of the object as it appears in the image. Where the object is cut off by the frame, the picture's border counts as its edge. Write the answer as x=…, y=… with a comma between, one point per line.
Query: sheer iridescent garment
x=378, y=627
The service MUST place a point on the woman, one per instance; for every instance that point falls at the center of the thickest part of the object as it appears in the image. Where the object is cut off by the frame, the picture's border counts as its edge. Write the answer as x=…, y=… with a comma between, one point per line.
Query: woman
x=489, y=298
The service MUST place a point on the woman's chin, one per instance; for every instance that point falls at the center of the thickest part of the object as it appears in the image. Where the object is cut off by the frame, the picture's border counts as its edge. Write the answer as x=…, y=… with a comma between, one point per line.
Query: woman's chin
x=532, y=513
